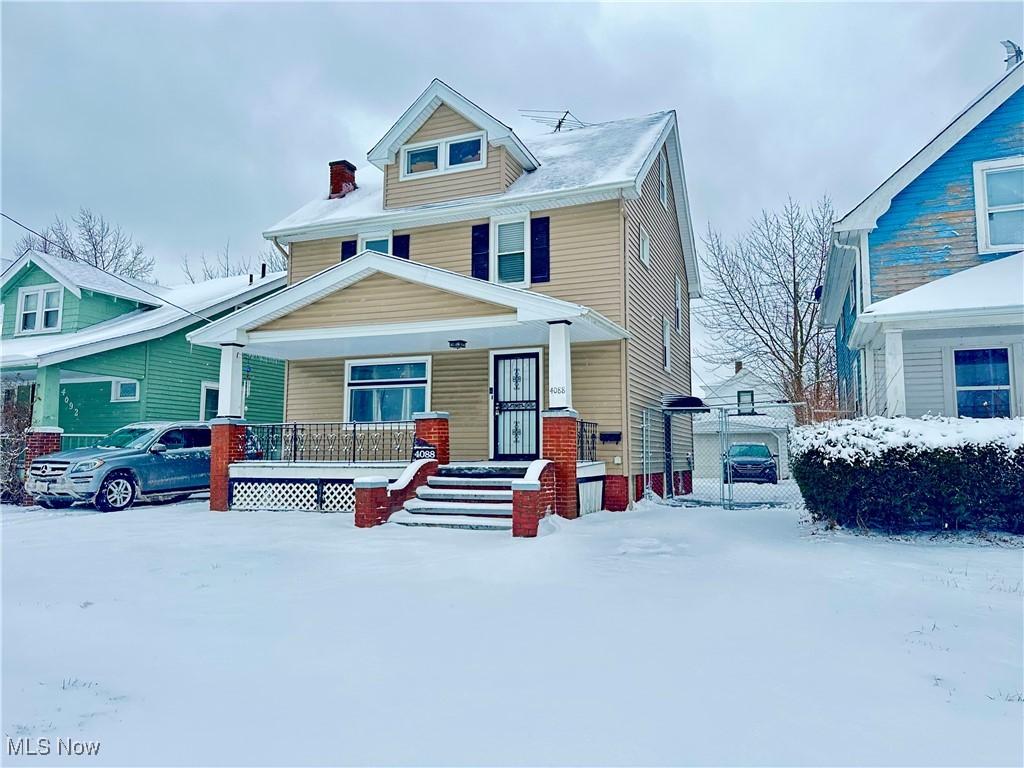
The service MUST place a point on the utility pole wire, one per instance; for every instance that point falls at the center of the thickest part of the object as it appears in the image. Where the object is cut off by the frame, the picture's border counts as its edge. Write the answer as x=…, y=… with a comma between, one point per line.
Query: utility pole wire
x=112, y=274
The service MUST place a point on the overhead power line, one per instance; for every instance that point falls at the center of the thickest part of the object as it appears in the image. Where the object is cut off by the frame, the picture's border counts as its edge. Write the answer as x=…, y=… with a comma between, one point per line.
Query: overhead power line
x=116, y=276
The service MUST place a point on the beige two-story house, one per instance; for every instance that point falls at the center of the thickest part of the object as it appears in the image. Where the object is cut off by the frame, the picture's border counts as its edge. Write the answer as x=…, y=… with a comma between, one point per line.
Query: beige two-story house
x=472, y=272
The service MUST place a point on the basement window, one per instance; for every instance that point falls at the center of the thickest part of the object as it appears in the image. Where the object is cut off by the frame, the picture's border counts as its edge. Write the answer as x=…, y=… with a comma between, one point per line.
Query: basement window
x=999, y=204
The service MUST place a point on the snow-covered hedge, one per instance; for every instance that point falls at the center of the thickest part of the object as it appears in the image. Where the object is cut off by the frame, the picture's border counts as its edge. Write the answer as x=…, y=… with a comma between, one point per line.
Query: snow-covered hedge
x=900, y=474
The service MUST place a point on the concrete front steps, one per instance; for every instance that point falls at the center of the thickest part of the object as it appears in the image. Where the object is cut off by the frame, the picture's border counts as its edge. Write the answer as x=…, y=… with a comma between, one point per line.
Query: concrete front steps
x=471, y=495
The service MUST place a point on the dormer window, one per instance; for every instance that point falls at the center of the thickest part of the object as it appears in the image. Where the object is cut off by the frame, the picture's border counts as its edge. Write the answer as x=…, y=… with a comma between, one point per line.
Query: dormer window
x=432, y=158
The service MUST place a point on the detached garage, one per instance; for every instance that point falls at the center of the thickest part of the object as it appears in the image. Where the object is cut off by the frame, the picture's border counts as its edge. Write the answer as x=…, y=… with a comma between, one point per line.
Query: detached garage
x=707, y=459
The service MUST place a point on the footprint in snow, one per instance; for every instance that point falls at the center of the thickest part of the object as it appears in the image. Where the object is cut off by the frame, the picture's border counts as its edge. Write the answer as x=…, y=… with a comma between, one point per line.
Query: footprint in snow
x=645, y=546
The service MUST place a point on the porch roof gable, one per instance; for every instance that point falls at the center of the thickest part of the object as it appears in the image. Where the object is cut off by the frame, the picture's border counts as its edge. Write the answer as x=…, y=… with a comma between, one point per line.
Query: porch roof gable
x=525, y=304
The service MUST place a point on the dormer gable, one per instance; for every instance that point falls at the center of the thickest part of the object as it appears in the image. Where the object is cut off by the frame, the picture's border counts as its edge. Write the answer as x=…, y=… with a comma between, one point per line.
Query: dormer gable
x=445, y=147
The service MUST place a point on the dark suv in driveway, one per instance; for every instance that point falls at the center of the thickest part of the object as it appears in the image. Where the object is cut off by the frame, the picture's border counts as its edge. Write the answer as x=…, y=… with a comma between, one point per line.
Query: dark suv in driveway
x=750, y=463
x=155, y=461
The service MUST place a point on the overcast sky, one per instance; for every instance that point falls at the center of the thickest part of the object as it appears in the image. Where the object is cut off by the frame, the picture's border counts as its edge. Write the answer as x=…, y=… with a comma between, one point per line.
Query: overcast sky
x=192, y=124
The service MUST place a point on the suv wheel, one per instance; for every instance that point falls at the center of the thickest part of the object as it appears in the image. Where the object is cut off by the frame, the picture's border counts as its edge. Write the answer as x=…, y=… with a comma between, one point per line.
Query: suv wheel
x=117, y=492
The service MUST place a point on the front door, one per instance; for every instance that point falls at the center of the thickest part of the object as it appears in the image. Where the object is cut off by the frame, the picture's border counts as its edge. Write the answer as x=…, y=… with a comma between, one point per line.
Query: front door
x=516, y=384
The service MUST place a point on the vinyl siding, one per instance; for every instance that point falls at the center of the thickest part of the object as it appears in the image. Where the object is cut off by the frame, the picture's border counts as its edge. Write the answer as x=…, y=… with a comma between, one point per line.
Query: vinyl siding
x=489, y=180
x=930, y=230
x=586, y=254
x=650, y=296
x=923, y=379
x=383, y=299
x=460, y=384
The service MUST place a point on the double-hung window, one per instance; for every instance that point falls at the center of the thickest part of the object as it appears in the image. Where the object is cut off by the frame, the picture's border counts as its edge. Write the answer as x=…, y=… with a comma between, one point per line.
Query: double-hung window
x=982, y=380
x=511, y=253
x=39, y=309
x=745, y=401
x=663, y=179
x=457, y=153
x=999, y=204
x=388, y=389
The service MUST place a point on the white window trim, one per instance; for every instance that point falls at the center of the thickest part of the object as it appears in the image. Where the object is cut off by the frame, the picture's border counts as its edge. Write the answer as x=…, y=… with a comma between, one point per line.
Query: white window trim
x=394, y=383
x=981, y=209
x=666, y=343
x=381, y=235
x=663, y=179
x=115, y=394
x=442, y=156
x=40, y=304
x=493, y=265
x=739, y=401
x=644, y=236
x=1008, y=386
x=207, y=385
x=679, y=305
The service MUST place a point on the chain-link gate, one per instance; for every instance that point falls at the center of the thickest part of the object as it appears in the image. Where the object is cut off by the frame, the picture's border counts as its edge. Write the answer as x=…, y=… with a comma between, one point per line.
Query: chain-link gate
x=720, y=456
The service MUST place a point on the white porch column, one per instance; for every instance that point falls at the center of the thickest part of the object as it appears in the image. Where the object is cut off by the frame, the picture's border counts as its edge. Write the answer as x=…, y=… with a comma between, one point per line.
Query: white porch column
x=895, y=387
x=559, y=365
x=229, y=404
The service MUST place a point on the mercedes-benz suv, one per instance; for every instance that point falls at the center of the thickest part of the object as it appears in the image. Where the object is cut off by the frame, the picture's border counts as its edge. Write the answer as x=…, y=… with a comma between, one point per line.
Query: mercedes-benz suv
x=152, y=461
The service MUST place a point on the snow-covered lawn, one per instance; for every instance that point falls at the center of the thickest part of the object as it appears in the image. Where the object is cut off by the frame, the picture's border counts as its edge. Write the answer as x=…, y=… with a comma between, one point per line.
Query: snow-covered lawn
x=175, y=636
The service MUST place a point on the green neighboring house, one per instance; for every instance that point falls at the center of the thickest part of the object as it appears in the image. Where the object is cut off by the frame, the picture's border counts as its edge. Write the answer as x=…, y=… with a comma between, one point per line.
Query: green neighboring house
x=91, y=352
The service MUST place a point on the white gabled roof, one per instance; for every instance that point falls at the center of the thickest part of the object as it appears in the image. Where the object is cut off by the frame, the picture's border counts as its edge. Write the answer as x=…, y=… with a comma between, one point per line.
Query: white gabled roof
x=207, y=298
x=598, y=162
x=989, y=287
x=868, y=211
x=527, y=305
x=78, y=275
x=436, y=94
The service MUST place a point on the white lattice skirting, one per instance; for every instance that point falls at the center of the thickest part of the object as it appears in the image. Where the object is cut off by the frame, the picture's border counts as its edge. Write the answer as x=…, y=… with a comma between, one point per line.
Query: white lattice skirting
x=312, y=495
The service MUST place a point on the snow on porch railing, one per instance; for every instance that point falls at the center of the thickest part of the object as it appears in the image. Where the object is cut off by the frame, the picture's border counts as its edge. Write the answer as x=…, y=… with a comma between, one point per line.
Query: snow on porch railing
x=330, y=441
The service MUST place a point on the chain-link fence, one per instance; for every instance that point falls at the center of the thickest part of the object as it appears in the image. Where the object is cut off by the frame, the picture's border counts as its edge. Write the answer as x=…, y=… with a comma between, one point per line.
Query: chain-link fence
x=721, y=456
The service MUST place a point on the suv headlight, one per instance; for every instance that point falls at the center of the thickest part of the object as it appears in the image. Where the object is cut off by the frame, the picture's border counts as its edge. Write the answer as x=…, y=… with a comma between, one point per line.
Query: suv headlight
x=87, y=466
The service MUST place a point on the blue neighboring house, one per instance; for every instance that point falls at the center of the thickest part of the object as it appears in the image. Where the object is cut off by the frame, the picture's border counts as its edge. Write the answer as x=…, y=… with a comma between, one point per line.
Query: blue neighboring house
x=925, y=281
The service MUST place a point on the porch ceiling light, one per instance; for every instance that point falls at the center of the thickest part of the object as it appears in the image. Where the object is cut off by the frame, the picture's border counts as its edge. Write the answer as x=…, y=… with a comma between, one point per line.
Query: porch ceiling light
x=457, y=343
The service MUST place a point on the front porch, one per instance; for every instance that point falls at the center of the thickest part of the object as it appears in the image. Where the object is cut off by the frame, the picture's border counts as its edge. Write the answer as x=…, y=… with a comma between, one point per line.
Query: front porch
x=393, y=366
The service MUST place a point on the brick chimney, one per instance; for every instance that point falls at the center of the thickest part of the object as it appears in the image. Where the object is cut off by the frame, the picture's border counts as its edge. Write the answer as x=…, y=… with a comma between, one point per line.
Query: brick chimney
x=739, y=366
x=343, y=178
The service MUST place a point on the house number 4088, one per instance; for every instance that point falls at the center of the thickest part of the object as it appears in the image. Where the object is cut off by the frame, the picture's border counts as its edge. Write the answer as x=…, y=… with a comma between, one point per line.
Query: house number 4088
x=556, y=390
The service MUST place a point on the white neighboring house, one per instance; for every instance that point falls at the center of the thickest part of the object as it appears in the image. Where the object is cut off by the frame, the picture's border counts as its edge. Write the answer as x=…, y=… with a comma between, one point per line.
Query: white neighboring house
x=750, y=395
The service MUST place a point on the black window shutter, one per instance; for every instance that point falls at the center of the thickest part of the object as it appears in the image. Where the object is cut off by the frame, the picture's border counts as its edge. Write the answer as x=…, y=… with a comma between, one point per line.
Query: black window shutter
x=481, y=251
x=540, y=250
x=348, y=249
x=400, y=246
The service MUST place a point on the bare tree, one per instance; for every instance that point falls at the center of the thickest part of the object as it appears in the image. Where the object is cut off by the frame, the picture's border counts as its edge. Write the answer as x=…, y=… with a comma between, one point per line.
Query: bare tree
x=92, y=239
x=225, y=265
x=759, y=302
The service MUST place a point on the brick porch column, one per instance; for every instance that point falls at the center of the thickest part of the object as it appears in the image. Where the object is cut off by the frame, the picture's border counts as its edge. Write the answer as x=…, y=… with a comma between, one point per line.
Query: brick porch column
x=371, y=501
x=228, y=446
x=432, y=428
x=559, y=446
x=40, y=441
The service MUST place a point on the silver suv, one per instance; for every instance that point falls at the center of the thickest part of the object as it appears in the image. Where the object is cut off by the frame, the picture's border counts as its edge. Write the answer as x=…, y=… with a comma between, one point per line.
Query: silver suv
x=156, y=461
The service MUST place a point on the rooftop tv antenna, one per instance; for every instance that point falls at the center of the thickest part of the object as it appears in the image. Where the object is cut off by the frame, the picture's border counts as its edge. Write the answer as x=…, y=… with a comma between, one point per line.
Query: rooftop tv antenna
x=1014, y=54
x=556, y=119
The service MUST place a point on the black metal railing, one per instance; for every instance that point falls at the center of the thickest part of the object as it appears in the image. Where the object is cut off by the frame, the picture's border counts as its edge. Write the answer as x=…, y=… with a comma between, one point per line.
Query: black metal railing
x=330, y=441
x=586, y=440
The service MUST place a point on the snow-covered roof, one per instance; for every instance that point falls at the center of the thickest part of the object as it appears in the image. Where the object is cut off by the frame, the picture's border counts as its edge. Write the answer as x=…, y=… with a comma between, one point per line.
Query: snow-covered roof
x=995, y=285
x=177, y=302
x=598, y=156
x=78, y=275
